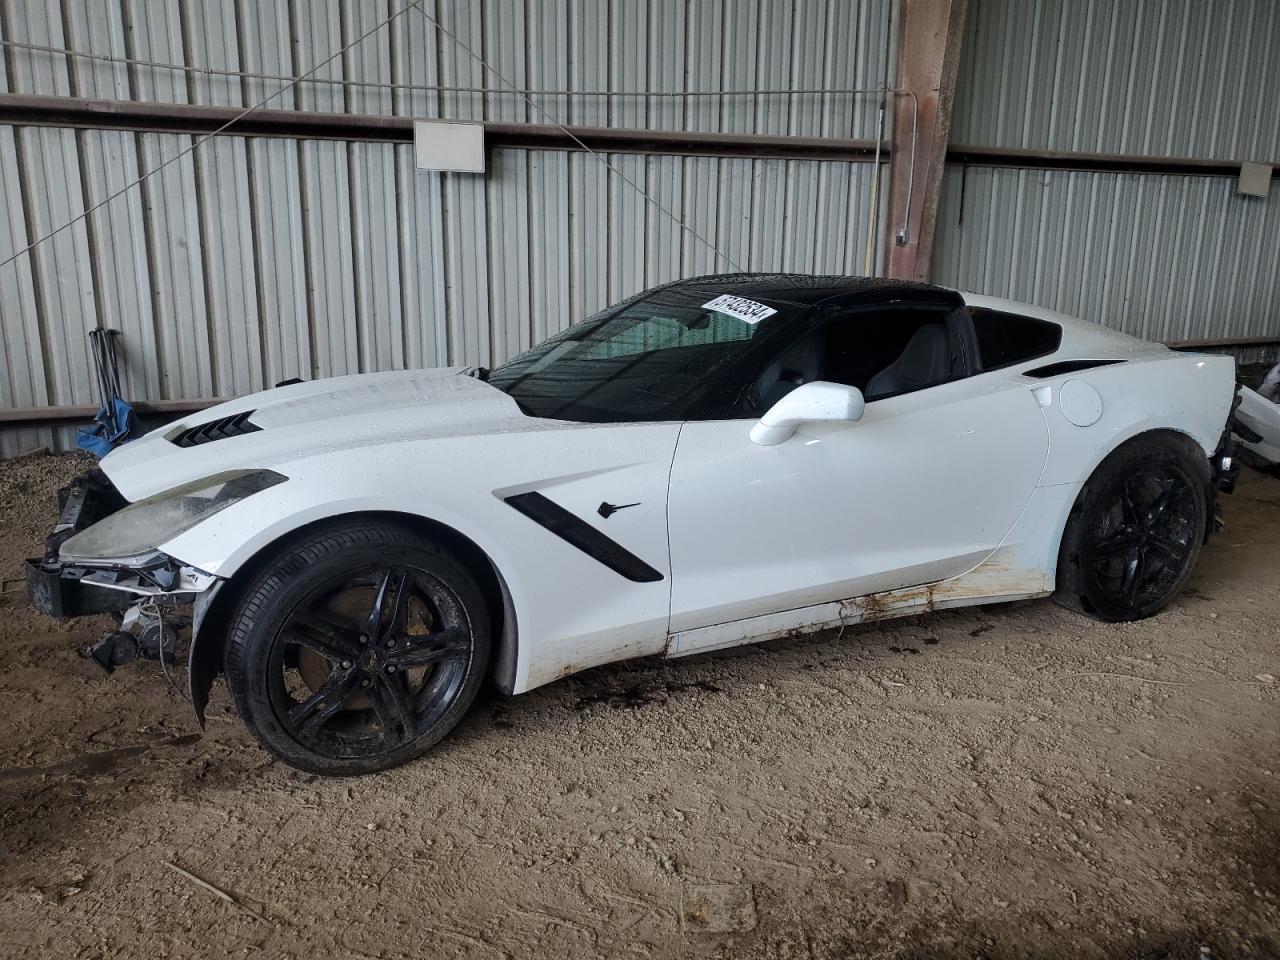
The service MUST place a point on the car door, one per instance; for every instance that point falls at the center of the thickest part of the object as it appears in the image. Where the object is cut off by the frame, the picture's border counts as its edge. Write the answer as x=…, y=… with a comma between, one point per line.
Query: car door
x=924, y=487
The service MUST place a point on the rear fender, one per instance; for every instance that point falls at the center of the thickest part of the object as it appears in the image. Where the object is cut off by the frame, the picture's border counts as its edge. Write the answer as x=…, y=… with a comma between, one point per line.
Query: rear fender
x=1191, y=395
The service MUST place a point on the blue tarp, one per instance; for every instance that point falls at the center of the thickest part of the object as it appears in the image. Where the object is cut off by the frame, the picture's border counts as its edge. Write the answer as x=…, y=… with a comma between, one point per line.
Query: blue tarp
x=111, y=427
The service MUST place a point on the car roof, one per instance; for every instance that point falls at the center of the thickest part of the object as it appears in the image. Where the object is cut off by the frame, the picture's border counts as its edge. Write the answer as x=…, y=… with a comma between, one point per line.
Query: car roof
x=808, y=289
x=1080, y=337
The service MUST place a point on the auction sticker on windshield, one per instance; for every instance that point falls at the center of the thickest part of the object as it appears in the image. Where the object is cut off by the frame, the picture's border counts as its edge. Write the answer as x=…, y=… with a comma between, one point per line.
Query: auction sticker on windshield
x=740, y=307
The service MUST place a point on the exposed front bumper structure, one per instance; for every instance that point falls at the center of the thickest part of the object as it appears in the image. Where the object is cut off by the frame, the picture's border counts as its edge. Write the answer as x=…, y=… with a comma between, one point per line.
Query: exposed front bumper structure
x=61, y=589
x=133, y=588
x=71, y=590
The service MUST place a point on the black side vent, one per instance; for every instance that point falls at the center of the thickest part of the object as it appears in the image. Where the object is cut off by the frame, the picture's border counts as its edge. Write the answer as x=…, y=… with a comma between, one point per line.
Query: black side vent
x=222, y=429
x=582, y=535
x=1066, y=366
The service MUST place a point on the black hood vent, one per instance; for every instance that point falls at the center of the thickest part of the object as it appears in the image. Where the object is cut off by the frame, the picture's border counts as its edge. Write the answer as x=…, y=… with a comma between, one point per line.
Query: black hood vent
x=223, y=428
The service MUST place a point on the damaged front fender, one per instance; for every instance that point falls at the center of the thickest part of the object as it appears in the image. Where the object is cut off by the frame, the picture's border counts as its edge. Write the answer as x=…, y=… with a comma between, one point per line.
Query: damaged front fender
x=204, y=657
x=67, y=590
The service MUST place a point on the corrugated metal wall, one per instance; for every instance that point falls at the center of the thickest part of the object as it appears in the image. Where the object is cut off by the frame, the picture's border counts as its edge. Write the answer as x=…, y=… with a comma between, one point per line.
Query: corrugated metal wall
x=1182, y=78
x=258, y=259
x=1165, y=257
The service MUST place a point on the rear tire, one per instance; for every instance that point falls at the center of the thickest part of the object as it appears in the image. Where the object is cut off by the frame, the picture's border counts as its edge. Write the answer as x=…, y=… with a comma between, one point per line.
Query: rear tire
x=1135, y=532
x=357, y=649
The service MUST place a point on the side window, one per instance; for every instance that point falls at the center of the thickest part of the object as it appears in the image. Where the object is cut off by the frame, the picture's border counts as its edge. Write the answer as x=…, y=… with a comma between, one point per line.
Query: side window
x=881, y=352
x=888, y=352
x=1007, y=338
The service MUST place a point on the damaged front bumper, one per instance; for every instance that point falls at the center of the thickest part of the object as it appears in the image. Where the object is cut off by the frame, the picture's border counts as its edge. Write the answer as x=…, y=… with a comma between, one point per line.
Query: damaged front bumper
x=105, y=556
x=63, y=589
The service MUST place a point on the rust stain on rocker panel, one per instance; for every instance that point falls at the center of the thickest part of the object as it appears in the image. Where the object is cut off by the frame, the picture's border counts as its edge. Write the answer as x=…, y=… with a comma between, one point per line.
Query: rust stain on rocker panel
x=995, y=580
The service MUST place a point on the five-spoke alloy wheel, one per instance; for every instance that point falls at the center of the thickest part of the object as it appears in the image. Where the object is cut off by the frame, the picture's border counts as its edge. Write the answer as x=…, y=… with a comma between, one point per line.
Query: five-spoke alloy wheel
x=1141, y=544
x=357, y=649
x=1136, y=530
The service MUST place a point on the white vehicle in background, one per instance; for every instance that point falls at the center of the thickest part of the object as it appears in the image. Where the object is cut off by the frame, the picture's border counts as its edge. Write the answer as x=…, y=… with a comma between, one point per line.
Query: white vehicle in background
x=713, y=462
x=1257, y=422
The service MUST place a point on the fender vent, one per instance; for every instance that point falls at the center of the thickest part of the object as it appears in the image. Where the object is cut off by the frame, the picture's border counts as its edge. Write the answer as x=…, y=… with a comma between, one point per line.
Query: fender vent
x=577, y=532
x=1066, y=366
x=221, y=429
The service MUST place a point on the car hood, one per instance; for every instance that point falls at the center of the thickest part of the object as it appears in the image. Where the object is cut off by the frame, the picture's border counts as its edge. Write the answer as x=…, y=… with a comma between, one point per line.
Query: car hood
x=301, y=420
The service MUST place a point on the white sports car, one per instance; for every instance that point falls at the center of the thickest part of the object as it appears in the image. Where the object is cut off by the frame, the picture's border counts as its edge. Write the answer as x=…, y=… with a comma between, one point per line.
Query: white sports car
x=709, y=463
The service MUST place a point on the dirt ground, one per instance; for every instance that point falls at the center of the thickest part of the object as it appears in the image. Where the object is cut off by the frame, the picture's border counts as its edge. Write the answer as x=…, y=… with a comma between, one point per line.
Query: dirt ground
x=996, y=782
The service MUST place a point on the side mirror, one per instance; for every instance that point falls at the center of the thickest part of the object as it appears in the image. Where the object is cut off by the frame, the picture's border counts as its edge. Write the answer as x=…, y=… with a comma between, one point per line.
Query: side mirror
x=808, y=403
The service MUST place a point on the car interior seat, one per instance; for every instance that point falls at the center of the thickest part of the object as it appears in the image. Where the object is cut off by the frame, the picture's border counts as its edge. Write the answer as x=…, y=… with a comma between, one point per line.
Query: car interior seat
x=924, y=362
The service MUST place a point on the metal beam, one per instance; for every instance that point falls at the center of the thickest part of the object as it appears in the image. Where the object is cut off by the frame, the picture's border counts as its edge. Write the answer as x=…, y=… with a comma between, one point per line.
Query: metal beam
x=1022, y=159
x=16, y=417
x=1218, y=343
x=25, y=110
x=929, y=37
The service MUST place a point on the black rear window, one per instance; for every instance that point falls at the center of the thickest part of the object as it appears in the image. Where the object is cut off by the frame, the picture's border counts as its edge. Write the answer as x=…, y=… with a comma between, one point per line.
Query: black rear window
x=1009, y=338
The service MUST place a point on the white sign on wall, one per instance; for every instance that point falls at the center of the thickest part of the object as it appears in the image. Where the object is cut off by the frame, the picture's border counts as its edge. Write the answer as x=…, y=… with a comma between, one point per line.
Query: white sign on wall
x=1255, y=179
x=449, y=145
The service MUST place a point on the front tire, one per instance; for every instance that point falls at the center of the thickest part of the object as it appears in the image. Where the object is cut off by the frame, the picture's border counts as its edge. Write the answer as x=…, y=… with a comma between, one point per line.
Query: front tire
x=1135, y=532
x=357, y=649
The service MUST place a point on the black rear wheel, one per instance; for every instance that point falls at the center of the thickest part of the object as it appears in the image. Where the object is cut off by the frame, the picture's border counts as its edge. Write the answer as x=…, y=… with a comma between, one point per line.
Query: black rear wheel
x=357, y=649
x=1136, y=530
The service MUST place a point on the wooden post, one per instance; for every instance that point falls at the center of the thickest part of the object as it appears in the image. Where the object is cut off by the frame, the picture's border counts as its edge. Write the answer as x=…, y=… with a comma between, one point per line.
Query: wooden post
x=929, y=40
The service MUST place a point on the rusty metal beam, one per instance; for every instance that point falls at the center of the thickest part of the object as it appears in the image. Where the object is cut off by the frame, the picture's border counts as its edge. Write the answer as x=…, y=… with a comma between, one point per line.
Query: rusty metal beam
x=23, y=109
x=1022, y=159
x=16, y=417
x=1221, y=343
x=30, y=110
x=929, y=37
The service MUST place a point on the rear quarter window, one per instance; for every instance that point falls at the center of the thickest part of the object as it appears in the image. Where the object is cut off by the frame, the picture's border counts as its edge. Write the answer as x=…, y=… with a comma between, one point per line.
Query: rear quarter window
x=1008, y=338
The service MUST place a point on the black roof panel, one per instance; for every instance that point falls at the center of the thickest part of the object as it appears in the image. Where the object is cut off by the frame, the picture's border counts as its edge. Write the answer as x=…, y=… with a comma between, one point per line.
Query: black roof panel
x=803, y=288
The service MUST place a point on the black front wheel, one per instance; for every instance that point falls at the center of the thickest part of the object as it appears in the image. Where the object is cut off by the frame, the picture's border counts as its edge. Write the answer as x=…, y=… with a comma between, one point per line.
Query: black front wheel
x=1136, y=530
x=357, y=648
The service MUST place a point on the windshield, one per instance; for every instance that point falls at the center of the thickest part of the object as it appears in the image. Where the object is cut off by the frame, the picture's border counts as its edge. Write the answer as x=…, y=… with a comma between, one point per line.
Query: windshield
x=646, y=360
